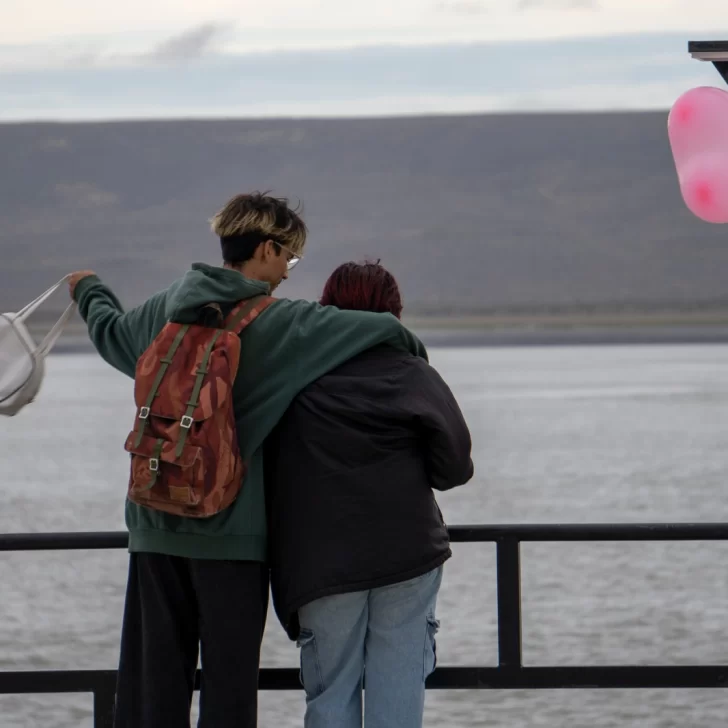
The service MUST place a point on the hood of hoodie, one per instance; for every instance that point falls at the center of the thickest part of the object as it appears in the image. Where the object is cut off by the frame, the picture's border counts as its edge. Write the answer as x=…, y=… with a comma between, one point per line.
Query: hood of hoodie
x=204, y=284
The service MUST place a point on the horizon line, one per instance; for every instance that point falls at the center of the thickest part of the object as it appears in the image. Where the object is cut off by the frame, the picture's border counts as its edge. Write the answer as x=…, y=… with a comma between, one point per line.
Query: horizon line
x=343, y=118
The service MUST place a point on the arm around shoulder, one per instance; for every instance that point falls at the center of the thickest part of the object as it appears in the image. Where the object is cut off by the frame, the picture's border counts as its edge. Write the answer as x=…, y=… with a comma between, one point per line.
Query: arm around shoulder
x=325, y=336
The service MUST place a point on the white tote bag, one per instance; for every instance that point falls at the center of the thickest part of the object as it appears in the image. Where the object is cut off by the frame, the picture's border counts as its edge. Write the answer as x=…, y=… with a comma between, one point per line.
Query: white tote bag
x=22, y=361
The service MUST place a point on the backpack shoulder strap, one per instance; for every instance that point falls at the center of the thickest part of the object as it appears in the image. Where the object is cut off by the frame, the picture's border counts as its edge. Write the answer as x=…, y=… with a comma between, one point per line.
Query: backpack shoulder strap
x=164, y=362
x=246, y=312
x=239, y=318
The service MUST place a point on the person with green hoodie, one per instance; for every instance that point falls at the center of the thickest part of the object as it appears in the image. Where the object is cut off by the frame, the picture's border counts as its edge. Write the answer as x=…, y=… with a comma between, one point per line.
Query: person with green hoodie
x=199, y=586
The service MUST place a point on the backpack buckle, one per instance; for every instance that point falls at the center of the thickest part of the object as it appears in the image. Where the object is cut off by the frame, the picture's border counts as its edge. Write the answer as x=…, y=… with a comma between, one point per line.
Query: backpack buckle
x=153, y=464
x=186, y=422
x=143, y=413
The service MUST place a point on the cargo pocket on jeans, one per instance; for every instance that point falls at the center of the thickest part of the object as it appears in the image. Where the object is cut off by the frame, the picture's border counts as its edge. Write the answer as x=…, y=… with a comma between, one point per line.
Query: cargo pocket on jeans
x=310, y=672
x=433, y=626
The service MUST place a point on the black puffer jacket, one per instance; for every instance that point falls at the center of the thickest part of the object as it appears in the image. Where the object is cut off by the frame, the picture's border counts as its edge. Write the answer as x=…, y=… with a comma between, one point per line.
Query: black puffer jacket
x=349, y=476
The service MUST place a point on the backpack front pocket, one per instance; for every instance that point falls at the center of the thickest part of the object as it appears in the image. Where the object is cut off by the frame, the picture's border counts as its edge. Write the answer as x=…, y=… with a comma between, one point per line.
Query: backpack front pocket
x=160, y=478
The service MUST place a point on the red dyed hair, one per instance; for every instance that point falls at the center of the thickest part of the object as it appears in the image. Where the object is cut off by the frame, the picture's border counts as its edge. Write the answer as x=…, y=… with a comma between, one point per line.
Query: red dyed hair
x=363, y=287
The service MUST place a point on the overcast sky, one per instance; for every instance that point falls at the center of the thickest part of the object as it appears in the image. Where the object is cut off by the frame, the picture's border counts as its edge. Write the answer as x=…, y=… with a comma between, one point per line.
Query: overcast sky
x=89, y=59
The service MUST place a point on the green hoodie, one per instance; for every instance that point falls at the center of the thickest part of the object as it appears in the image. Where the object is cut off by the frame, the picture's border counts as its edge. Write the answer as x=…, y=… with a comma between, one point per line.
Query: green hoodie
x=290, y=345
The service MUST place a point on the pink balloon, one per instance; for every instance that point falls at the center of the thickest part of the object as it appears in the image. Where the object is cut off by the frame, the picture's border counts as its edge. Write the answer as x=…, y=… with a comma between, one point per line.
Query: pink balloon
x=704, y=186
x=698, y=131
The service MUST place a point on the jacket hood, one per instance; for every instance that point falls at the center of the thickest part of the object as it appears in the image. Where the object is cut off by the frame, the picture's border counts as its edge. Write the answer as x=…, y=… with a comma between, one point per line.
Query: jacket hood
x=204, y=284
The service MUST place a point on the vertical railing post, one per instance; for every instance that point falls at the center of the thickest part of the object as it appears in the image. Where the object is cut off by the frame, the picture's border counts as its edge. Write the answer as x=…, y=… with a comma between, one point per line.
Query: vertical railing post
x=508, y=563
x=104, y=697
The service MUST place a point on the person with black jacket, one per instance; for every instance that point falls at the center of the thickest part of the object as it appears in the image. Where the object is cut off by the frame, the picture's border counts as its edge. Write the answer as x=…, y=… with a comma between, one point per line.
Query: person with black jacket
x=357, y=540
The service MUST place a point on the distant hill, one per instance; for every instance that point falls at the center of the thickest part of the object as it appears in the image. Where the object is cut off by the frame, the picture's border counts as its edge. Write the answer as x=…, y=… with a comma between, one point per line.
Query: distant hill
x=474, y=214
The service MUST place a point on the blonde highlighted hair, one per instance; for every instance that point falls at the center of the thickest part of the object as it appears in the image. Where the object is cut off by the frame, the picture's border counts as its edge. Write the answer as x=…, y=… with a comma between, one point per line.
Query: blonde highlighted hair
x=246, y=218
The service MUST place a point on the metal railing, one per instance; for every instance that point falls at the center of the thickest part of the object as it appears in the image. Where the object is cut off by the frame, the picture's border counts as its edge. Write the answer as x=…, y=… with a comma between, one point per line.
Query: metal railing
x=510, y=672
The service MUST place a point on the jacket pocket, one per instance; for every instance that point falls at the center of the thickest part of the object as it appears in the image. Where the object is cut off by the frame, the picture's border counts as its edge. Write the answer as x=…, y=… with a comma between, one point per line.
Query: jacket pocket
x=310, y=672
x=430, y=657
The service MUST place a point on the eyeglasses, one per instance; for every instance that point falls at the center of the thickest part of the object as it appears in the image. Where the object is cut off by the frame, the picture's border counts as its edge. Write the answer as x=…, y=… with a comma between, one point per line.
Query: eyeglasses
x=293, y=258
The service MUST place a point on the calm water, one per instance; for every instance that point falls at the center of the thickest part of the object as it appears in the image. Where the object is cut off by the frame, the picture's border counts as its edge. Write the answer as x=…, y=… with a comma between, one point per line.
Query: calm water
x=560, y=435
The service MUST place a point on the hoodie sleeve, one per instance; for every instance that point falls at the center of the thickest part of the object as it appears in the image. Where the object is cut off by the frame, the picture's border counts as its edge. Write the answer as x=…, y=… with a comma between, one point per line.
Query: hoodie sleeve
x=322, y=337
x=119, y=337
x=446, y=438
x=294, y=343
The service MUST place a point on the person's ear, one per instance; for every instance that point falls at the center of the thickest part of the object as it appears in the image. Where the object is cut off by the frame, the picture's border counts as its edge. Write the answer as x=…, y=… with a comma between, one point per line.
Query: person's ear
x=261, y=252
x=269, y=250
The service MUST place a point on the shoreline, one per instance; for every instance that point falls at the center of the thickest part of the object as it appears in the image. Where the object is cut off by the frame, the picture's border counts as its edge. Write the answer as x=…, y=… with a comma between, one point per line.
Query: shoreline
x=471, y=337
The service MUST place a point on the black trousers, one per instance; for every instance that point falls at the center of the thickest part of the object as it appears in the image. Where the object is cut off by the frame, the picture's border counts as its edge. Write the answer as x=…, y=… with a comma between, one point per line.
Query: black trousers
x=174, y=607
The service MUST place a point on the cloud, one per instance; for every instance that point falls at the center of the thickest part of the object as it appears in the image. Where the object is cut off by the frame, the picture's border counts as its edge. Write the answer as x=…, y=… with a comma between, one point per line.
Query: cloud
x=84, y=55
x=189, y=45
x=640, y=71
x=461, y=7
x=559, y=4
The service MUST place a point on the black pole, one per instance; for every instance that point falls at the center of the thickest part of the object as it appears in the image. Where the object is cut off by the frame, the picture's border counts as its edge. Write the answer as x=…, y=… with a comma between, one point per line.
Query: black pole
x=508, y=559
x=104, y=698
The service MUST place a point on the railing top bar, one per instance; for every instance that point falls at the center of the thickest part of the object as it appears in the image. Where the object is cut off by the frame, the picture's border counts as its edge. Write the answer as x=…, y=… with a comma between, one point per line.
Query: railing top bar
x=592, y=532
x=458, y=534
x=461, y=677
x=63, y=541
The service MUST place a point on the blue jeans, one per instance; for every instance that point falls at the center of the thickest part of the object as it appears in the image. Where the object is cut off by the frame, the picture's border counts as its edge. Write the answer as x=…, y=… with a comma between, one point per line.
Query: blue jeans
x=389, y=633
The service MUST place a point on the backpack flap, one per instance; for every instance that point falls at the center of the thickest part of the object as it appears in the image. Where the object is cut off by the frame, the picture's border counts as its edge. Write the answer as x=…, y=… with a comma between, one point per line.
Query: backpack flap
x=181, y=472
x=185, y=375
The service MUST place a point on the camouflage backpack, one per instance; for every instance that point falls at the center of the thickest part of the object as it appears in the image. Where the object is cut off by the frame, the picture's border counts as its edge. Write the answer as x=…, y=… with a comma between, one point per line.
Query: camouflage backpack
x=185, y=458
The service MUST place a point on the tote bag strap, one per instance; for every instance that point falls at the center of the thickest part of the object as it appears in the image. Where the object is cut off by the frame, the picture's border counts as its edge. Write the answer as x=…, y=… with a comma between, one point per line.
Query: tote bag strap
x=27, y=310
x=52, y=336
